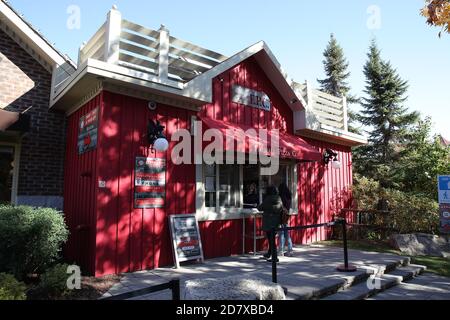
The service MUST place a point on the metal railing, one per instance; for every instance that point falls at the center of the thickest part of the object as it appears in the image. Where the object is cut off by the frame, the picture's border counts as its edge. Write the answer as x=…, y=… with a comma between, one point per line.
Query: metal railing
x=368, y=219
x=173, y=285
x=346, y=267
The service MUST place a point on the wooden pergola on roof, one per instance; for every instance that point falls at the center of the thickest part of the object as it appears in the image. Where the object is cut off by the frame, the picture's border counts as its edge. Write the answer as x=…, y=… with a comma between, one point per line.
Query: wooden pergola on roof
x=131, y=59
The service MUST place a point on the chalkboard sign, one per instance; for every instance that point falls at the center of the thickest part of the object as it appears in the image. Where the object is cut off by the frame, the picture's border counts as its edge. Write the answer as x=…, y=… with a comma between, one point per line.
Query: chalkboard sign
x=185, y=233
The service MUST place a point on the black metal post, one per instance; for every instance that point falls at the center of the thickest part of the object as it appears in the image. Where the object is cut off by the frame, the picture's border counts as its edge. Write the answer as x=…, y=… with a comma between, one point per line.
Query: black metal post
x=274, y=256
x=344, y=238
x=176, y=294
x=346, y=267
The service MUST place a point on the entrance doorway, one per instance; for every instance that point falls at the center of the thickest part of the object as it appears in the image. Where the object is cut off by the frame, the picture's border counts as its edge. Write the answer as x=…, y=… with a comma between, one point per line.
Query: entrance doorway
x=6, y=173
x=255, y=184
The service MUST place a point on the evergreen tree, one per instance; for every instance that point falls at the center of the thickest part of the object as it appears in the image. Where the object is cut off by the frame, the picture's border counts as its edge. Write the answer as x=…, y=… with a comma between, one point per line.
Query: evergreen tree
x=385, y=116
x=335, y=83
x=335, y=65
x=422, y=160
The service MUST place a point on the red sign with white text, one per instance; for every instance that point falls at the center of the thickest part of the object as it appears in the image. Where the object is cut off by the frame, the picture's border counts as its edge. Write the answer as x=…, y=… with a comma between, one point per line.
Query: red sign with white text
x=150, y=183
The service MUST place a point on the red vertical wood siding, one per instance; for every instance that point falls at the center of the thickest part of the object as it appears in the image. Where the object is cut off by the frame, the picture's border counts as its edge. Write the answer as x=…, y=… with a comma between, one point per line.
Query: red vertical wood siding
x=130, y=239
x=80, y=205
x=323, y=191
x=318, y=189
x=248, y=74
x=118, y=238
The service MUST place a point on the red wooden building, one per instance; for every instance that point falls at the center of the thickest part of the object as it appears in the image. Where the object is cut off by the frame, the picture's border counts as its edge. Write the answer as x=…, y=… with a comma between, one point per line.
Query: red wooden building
x=127, y=75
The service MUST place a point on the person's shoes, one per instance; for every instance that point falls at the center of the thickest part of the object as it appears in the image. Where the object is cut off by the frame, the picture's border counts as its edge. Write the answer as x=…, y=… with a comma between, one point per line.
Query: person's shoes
x=281, y=253
x=289, y=254
x=270, y=260
x=266, y=256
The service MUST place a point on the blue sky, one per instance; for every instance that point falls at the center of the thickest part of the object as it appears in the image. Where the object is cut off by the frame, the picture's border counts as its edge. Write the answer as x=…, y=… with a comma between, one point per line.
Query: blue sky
x=297, y=31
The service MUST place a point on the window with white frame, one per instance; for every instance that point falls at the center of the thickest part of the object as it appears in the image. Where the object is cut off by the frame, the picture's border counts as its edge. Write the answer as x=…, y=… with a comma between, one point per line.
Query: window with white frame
x=222, y=186
x=226, y=189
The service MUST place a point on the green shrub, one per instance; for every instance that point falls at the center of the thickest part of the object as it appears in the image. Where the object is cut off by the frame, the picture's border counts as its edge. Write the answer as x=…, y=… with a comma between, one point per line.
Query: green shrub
x=10, y=288
x=30, y=239
x=366, y=192
x=53, y=284
x=409, y=212
x=413, y=213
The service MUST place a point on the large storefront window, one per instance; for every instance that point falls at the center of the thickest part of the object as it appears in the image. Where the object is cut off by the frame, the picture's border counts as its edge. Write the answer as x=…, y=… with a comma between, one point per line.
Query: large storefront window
x=228, y=189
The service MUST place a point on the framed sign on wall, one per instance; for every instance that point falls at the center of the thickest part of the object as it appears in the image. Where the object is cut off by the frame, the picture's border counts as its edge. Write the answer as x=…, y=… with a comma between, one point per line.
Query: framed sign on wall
x=185, y=233
x=150, y=183
x=251, y=98
x=88, y=132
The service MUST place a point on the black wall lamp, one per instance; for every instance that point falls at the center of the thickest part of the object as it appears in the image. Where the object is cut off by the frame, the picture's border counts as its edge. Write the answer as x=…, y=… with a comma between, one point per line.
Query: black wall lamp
x=155, y=136
x=331, y=155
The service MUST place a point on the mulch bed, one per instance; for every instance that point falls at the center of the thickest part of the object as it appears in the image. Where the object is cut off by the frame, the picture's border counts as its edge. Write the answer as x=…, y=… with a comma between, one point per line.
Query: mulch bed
x=91, y=289
x=94, y=288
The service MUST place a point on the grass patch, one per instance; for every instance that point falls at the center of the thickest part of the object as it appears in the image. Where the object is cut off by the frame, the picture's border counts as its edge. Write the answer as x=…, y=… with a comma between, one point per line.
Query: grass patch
x=438, y=265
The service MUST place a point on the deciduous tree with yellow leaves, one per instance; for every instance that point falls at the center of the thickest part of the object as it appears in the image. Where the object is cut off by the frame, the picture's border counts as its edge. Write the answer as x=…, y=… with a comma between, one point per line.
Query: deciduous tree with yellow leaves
x=437, y=13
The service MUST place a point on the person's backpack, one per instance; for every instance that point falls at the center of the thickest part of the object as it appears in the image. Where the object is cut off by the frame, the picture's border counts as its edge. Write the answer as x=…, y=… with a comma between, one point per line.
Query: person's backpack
x=285, y=216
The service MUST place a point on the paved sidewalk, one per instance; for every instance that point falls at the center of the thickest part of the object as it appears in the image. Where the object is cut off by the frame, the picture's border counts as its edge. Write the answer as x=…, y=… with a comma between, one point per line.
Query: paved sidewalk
x=427, y=286
x=310, y=272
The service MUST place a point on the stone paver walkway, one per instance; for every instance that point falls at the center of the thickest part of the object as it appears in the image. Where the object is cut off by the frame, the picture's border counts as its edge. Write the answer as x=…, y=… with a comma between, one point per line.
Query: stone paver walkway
x=310, y=272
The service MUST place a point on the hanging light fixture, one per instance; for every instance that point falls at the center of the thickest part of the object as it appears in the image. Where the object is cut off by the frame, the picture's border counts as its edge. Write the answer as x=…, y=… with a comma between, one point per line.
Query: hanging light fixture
x=155, y=136
x=332, y=156
x=337, y=165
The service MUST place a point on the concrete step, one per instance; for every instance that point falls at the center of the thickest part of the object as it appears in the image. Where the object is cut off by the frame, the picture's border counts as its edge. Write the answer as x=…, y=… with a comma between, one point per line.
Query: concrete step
x=365, y=289
x=349, y=286
x=425, y=286
x=417, y=267
x=290, y=296
x=313, y=289
x=406, y=273
x=383, y=278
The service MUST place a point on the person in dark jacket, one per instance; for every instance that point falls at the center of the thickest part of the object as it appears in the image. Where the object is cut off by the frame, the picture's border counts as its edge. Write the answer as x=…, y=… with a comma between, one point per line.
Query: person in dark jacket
x=271, y=208
x=251, y=199
x=286, y=198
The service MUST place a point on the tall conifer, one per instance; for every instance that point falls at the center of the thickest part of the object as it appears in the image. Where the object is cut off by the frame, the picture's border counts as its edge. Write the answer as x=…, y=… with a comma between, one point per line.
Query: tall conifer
x=385, y=116
x=335, y=83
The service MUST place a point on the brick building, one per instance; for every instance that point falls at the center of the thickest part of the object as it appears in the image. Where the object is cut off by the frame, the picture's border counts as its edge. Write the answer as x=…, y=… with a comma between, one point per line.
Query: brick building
x=31, y=137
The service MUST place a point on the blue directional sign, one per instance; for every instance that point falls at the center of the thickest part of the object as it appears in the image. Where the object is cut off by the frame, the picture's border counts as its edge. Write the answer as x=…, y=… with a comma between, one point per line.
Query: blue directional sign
x=444, y=189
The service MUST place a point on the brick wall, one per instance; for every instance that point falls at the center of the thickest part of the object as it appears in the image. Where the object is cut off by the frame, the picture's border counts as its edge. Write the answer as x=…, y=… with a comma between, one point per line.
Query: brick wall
x=25, y=84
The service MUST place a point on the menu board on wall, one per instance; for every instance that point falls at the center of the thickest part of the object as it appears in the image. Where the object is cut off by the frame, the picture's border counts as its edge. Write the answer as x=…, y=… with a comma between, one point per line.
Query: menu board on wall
x=88, y=132
x=150, y=183
x=185, y=233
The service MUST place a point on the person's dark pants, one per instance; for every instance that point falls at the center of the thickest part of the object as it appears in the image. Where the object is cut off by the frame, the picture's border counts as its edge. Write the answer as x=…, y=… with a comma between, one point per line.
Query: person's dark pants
x=270, y=235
